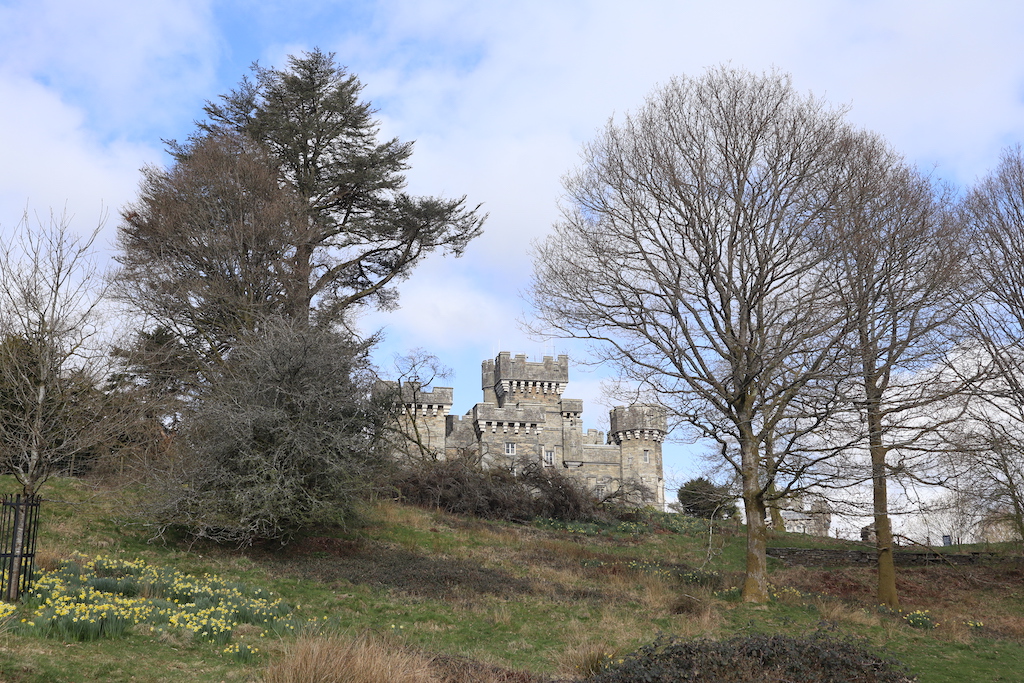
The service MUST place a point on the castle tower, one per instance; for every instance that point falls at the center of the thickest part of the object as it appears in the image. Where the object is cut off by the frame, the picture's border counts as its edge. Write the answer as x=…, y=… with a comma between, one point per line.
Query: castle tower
x=423, y=419
x=638, y=431
x=518, y=421
x=510, y=380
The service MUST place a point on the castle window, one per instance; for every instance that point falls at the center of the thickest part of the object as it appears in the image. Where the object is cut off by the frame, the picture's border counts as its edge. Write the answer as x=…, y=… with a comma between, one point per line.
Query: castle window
x=510, y=448
x=647, y=456
x=599, y=490
x=549, y=458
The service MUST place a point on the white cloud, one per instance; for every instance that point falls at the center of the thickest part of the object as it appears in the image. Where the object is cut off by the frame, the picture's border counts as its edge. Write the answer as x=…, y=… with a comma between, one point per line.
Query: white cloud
x=51, y=160
x=131, y=66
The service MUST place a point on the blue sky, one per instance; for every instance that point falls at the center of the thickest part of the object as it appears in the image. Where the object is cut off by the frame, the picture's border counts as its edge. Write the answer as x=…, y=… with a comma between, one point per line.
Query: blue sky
x=499, y=97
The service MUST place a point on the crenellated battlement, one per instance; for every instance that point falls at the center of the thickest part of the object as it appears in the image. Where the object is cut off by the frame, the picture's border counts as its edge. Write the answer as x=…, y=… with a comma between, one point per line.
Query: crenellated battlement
x=637, y=422
x=506, y=379
x=433, y=403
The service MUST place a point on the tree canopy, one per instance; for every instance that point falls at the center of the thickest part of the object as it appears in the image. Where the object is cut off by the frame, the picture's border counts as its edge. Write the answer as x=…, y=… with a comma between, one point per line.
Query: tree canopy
x=284, y=202
x=687, y=252
x=703, y=498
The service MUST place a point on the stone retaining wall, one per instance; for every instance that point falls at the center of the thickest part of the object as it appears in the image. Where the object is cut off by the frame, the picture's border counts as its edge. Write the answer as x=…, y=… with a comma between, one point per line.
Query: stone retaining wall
x=817, y=557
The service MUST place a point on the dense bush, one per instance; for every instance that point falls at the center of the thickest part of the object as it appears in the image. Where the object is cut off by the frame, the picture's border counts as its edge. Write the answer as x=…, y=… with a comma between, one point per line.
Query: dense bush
x=819, y=658
x=461, y=486
x=286, y=438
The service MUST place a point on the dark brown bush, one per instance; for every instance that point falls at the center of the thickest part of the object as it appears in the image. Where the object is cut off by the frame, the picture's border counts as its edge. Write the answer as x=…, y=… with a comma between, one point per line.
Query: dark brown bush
x=460, y=486
x=819, y=658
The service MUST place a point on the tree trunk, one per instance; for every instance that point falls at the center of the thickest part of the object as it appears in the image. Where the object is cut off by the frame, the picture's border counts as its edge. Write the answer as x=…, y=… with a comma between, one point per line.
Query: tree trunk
x=880, y=499
x=755, y=584
x=775, y=510
x=17, y=549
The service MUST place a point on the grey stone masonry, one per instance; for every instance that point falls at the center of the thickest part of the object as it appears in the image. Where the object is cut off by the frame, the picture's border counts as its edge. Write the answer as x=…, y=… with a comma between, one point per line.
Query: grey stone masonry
x=524, y=419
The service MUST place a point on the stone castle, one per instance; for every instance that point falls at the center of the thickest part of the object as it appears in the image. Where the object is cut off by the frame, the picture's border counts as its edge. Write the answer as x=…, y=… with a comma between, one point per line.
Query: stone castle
x=524, y=419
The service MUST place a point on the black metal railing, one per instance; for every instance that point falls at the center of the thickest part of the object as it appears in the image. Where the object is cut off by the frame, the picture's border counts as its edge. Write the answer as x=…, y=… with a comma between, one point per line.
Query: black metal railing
x=19, y=524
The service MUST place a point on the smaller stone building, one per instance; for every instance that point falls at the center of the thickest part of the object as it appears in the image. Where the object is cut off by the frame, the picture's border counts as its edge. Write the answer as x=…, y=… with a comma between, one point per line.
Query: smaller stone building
x=523, y=418
x=815, y=519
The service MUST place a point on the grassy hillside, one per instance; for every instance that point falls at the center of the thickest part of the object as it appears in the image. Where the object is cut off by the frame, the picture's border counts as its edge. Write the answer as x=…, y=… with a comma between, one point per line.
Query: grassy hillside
x=548, y=600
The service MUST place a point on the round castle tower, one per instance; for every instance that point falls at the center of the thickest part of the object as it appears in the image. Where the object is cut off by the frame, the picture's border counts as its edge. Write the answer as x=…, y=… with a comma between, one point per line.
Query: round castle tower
x=639, y=430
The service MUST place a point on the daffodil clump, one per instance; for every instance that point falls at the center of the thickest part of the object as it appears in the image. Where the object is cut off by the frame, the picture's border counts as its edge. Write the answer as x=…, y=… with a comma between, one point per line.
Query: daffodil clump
x=787, y=594
x=6, y=610
x=104, y=597
x=242, y=652
x=919, y=619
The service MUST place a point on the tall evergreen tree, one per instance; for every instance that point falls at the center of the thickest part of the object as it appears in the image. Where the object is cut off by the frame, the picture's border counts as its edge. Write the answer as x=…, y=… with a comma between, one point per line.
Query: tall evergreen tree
x=284, y=202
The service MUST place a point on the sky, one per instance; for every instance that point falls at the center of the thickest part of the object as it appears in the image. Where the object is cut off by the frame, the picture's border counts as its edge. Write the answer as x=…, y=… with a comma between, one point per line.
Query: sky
x=499, y=98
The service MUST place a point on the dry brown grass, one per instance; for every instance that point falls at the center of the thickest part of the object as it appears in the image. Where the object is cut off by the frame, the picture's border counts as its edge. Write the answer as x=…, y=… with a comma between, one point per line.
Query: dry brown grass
x=500, y=615
x=955, y=631
x=586, y=658
x=692, y=601
x=620, y=584
x=48, y=560
x=841, y=613
x=704, y=624
x=340, y=659
x=658, y=594
x=1006, y=625
x=392, y=513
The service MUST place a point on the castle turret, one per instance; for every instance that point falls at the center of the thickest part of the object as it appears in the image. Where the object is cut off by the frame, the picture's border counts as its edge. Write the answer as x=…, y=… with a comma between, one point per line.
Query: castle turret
x=638, y=431
x=509, y=379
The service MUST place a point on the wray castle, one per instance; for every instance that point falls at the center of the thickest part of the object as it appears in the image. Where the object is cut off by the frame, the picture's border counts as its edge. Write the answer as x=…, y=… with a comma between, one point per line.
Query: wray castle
x=524, y=419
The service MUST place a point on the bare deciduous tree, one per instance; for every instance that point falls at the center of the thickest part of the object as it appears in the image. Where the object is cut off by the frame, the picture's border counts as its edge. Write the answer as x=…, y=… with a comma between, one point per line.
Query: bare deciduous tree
x=992, y=461
x=898, y=256
x=412, y=439
x=689, y=253
x=50, y=407
x=51, y=410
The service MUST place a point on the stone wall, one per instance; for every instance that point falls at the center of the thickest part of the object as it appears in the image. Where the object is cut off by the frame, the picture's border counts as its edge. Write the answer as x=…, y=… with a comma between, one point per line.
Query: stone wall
x=820, y=557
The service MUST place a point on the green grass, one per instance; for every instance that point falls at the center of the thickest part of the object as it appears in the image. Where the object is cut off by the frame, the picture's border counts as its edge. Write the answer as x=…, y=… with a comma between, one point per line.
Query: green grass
x=524, y=597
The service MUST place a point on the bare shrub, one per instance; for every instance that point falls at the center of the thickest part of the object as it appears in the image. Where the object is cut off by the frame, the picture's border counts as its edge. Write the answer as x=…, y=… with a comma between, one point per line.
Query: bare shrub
x=462, y=486
x=286, y=440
